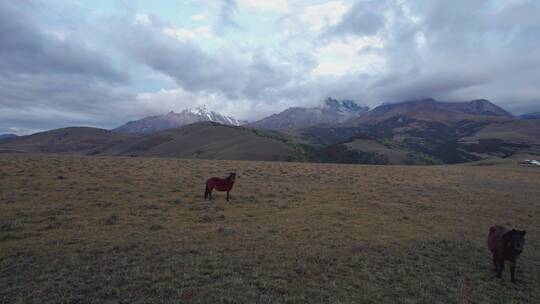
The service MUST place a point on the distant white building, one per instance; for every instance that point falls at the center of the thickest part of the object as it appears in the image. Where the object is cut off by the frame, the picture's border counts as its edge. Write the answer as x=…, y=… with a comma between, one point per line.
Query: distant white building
x=529, y=162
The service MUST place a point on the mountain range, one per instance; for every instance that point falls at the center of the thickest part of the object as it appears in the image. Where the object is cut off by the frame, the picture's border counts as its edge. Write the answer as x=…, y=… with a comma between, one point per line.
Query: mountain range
x=432, y=110
x=173, y=120
x=422, y=131
x=428, y=131
x=331, y=112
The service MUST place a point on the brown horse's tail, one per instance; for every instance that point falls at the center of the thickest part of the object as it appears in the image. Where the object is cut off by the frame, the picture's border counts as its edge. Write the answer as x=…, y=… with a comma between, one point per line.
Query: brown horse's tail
x=206, y=191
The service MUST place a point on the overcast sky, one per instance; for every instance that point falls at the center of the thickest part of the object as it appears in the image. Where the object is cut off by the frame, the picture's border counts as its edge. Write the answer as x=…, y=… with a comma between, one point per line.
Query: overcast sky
x=103, y=62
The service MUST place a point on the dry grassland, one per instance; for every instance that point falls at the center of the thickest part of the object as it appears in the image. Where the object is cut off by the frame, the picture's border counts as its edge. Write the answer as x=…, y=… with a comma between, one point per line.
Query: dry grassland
x=136, y=230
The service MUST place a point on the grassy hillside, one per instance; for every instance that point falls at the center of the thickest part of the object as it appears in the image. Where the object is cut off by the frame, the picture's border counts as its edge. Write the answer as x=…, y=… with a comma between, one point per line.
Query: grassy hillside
x=397, y=141
x=136, y=230
x=212, y=141
x=206, y=140
x=431, y=142
x=82, y=140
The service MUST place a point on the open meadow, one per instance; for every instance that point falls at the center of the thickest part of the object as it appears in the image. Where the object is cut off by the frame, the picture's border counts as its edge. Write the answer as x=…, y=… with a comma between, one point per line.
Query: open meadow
x=79, y=229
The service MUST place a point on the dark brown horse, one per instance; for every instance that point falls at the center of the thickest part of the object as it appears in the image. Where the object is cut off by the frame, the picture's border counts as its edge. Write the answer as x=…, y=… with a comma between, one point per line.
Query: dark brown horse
x=506, y=245
x=220, y=184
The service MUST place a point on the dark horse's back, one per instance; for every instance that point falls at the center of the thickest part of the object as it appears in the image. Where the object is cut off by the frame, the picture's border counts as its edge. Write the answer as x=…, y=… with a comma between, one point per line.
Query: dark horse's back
x=495, y=235
x=219, y=184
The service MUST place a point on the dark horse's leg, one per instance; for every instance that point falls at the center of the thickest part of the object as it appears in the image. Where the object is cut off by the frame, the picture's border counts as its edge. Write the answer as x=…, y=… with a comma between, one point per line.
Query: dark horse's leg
x=495, y=262
x=500, y=268
x=513, y=271
x=208, y=192
x=227, y=196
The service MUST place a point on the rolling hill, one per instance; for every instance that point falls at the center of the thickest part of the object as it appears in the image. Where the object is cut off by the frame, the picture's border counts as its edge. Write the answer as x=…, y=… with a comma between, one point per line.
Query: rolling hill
x=7, y=136
x=530, y=116
x=4, y=137
x=210, y=140
x=80, y=140
x=200, y=140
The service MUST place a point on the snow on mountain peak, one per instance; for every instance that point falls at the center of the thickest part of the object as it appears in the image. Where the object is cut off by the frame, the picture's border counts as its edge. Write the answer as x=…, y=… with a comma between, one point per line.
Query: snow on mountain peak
x=174, y=120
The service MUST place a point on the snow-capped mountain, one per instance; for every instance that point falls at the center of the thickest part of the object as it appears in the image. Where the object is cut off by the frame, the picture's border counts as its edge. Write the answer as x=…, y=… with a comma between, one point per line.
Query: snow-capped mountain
x=173, y=120
x=332, y=111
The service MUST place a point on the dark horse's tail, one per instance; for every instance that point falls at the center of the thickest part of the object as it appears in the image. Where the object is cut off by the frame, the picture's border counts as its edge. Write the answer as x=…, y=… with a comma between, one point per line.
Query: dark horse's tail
x=206, y=191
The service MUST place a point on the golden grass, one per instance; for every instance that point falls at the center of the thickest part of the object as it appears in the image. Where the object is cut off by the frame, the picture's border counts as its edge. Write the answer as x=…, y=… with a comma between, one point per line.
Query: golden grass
x=136, y=230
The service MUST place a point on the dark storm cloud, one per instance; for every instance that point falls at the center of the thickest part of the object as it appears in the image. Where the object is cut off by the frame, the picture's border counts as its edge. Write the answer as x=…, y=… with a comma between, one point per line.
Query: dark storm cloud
x=46, y=101
x=457, y=49
x=363, y=18
x=410, y=86
x=453, y=50
x=46, y=79
x=25, y=48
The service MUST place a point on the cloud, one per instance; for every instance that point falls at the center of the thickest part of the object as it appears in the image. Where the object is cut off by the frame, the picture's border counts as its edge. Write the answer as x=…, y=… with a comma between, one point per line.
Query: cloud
x=317, y=17
x=178, y=99
x=74, y=100
x=198, y=17
x=415, y=85
x=49, y=80
x=231, y=71
x=364, y=18
x=456, y=50
x=27, y=49
x=65, y=64
x=271, y=5
x=226, y=18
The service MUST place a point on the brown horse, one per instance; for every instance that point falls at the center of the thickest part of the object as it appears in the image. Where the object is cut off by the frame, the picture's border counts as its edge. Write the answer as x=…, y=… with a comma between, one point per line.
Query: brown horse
x=220, y=184
x=505, y=245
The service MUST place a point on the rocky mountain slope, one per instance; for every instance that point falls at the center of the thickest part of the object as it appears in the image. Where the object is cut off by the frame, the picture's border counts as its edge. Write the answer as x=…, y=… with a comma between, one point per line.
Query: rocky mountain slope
x=432, y=110
x=331, y=112
x=431, y=132
x=173, y=120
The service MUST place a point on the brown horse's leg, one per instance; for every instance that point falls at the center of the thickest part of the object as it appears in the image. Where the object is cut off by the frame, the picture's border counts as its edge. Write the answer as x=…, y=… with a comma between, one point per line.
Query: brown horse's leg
x=513, y=271
x=227, y=196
